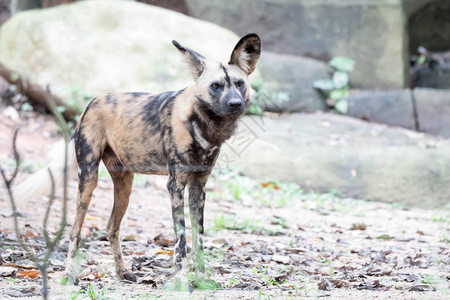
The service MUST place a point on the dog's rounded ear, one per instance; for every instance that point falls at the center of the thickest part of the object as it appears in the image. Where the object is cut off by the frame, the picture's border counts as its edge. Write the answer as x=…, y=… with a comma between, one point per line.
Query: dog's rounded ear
x=195, y=60
x=246, y=53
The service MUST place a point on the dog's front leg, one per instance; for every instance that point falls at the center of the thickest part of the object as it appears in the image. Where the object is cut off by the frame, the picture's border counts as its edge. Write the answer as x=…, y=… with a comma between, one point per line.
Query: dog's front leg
x=196, y=207
x=175, y=186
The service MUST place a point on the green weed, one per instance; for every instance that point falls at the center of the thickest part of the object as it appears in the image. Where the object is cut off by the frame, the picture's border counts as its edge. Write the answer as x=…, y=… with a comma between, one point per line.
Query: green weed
x=240, y=188
x=90, y=292
x=337, y=89
x=384, y=237
x=440, y=218
x=245, y=225
x=430, y=279
x=264, y=296
x=263, y=98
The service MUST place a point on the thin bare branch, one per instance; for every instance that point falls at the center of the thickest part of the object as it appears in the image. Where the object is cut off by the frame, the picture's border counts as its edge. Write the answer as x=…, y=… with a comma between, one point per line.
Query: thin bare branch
x=8, y=183
x=47, y=210
x=42, y=263
x=34, y=245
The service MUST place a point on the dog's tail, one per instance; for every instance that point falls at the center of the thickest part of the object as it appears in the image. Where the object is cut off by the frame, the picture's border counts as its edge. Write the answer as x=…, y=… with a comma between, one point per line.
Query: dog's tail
x=41, y=183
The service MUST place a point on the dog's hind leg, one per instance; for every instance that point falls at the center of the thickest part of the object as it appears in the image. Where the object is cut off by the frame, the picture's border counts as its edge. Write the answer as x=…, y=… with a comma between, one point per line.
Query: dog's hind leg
x=123, y=182
x=87, y=183
x=89, y=149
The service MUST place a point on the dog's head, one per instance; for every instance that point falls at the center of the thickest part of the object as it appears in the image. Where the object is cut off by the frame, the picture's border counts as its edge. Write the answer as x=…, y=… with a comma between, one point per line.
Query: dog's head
x=224, y=88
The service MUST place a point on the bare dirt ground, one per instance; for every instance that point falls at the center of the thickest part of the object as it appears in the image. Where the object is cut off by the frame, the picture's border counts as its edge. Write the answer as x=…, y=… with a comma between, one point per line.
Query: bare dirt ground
x=264, y=240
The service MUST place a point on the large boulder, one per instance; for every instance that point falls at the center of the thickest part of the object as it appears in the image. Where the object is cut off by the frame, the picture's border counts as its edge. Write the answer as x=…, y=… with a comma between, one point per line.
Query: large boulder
x=433, y=111
x=394, y=108
x=372, y=32
x=292, y=76
x=323, y=152
x=104, y=46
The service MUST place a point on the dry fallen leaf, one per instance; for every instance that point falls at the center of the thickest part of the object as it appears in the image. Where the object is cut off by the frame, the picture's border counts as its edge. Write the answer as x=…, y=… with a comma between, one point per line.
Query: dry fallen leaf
x=93, y=218
x=169, y=252
x=296, y=250
x=29, y=233
x=27, y=267
x=28, y=273
x=156, y=251
x=163, y=241
x=270, y=185
x=358, y=226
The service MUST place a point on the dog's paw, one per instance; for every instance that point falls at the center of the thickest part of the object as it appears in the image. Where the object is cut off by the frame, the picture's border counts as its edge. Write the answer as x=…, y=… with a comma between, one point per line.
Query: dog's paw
x=70, y=279
x=202, y=283
x=178, y=283
x=127, y=275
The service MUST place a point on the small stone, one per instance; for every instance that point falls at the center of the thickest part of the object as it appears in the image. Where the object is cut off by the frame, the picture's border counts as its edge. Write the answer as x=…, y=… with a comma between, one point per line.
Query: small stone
x=281, y=259
x=11, y=112
x=7, y=271
x=129, y=238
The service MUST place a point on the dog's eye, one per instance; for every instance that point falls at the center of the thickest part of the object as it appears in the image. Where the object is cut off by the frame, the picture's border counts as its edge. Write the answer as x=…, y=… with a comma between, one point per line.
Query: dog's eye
x=215, y=86
x=240, y=83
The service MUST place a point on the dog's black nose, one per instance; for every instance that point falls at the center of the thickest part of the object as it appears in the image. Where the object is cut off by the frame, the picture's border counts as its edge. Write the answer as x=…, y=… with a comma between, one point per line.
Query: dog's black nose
x=235, y=103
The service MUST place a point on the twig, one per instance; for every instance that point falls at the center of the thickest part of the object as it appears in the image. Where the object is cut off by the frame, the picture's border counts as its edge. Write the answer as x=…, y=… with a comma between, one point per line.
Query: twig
x=9, y=182
x=47, y=211
x=50, y=244
x=18, y=244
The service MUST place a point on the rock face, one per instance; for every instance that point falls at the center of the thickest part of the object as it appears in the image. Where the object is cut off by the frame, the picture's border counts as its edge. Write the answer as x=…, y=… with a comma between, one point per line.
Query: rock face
x=324, y=152
x=429, y=27
x=393, y=108
x=433, y=111
x=104, y=46
x=436, y=78
x=293, y=75
x=372, y=32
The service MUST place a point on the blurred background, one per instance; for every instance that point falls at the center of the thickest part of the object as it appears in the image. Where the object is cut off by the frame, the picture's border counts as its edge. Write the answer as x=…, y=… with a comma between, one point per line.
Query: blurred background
x=351, y=96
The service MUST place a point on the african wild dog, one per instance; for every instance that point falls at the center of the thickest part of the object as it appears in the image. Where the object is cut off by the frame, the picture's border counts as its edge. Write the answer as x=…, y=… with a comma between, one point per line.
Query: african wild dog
x=174, y=133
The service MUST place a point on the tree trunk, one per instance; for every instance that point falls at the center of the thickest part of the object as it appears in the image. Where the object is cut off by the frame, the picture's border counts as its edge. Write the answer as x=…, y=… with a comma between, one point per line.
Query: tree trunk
x=35, y=92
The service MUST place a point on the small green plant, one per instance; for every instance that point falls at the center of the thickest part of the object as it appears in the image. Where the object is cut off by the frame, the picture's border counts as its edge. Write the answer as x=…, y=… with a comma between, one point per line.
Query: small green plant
x=245, y=225
x=262, y=97
x=271, y=193
x=329, y=263
x=90, y=292
x=430, y=279
x=337, y=89
x=440, y=218
x=233, y=282
x=261, y=270
x=78, y=100
x=264, y=296
x=269, y=280
x=384, y=237
x=11, y=279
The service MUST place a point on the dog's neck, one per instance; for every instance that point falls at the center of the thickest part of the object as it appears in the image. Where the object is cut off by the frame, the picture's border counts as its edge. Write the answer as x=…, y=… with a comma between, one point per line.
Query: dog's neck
x=210, y=129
